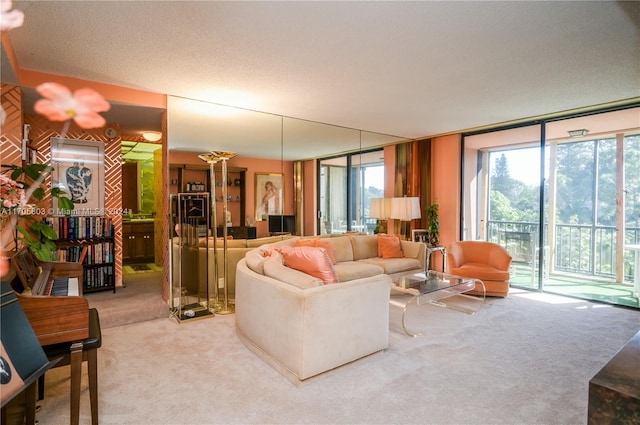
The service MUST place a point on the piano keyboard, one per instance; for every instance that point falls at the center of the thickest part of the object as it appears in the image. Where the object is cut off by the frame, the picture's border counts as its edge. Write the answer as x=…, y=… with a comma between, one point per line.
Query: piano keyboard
x=63, y=286
x=49, y=278
x=59, y=286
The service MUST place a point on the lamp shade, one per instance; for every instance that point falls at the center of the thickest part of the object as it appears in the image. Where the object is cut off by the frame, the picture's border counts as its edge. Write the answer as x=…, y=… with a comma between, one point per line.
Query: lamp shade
x=380, y=208
x=405, y=209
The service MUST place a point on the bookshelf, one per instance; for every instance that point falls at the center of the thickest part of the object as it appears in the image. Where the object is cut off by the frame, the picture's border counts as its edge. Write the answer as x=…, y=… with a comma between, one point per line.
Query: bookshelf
x=88, y=240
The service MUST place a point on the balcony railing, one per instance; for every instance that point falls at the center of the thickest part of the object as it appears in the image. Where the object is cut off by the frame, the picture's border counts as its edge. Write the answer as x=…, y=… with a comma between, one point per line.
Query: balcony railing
x=579, y=249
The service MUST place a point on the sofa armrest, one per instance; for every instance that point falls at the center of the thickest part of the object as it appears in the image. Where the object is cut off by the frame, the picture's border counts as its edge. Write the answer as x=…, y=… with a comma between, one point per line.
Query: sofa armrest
x=415, y=250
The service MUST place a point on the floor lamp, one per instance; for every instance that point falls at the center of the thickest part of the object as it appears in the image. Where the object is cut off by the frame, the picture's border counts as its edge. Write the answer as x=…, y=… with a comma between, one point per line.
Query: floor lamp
x=380, y=209
x=213, y=157
x=405, y=209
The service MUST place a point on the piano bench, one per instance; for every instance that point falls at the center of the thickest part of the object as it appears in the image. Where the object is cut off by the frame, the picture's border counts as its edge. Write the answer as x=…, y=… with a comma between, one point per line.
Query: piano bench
x=89, y=354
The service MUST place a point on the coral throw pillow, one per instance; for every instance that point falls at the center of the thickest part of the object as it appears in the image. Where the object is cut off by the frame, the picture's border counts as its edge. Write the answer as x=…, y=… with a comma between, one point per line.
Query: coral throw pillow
x=319, y=243
x=310, y=260
x=389, y=246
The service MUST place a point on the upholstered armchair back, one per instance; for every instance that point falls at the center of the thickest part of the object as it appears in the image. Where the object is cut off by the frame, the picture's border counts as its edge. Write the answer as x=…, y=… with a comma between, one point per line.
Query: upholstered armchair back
x=479, y=252
x=482, y=260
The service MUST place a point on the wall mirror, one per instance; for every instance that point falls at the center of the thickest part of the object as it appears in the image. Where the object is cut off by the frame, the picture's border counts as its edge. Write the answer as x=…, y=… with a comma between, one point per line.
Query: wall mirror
x=196, y=126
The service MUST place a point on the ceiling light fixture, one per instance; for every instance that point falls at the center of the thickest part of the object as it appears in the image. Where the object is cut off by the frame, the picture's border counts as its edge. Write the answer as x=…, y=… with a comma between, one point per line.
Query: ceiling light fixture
x=578, y=133
x=152, y=136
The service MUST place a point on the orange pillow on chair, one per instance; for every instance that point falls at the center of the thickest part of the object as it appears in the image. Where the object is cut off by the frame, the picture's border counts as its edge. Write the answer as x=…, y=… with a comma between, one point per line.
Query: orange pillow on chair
x=389, y=246
x=310, y=260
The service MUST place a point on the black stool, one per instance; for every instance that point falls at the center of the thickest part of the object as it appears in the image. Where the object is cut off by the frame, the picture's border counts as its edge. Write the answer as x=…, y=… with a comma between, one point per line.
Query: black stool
x=90, y=355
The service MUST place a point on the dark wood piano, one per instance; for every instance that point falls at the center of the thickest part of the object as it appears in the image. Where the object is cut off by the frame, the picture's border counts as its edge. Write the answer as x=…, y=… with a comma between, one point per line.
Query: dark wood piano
x=51, y=296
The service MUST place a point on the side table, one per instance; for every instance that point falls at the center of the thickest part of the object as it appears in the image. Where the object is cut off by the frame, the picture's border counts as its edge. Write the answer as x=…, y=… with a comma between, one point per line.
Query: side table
x=429, y=249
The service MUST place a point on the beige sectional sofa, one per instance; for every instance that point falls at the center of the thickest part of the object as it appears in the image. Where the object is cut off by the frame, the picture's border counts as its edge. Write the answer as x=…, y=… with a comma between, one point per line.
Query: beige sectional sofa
x=302, y=326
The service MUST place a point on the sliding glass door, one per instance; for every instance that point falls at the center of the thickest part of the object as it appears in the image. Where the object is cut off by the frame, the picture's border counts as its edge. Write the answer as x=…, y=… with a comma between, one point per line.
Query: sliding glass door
x=560, y=196
x=502, y=176
x=346, y=185
x=333, y=202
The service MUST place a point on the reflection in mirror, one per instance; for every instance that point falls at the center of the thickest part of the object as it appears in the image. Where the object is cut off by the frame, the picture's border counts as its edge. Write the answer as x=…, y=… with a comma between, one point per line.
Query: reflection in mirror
x=138, y=174
x=308, y=139
x=347, y=185
x=268, y=143
x=372, y=140
x=196, y=126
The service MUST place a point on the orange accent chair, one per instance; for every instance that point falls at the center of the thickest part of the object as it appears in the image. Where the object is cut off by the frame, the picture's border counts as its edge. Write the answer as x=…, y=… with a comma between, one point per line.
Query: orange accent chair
x=482, y=260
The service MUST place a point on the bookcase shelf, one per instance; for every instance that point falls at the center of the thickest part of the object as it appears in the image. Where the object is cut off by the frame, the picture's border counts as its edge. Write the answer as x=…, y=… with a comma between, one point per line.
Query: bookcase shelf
x=88, y=240
x=186, y=178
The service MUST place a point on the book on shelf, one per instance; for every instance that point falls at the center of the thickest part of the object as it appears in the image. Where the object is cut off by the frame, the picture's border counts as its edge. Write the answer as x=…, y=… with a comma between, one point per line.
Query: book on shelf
x=83, y=254
x=88, y=227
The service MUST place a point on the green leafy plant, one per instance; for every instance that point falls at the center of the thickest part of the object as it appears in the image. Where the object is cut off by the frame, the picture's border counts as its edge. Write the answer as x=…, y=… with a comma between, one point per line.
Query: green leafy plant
x=433, y=224
x=32, y=231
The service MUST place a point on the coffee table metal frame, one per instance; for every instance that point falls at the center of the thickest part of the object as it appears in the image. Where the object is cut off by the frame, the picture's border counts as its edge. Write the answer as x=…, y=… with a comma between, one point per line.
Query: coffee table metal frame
x=433, y=287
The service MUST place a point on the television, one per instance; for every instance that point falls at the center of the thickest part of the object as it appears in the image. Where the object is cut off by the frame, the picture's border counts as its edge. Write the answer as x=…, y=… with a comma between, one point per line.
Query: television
x=282, y=224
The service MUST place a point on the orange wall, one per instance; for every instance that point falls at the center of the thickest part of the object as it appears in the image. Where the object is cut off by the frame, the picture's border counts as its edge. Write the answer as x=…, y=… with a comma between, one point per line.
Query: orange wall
x=29, y=78
x=445, y=185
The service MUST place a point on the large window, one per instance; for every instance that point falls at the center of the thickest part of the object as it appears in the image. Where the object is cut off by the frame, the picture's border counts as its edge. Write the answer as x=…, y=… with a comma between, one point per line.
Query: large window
x=560, y=196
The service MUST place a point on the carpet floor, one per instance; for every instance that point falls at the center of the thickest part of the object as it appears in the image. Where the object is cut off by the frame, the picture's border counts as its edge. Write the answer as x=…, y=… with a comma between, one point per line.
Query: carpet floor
x=139, y=300
x=525, y=359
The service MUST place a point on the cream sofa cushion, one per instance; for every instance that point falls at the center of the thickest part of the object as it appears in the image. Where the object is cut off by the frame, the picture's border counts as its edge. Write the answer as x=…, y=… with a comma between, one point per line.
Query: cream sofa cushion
x=341, y=247
x=364, y=246
x=352, y=270
x=393, y=265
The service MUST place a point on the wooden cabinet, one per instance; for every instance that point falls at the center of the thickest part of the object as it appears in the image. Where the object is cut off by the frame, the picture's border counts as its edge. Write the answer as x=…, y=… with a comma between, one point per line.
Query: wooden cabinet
x=137, y=243
x=130, y=183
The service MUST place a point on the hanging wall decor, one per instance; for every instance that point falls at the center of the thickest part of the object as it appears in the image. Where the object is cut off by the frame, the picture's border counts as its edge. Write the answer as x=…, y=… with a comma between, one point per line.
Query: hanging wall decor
x=78, y=171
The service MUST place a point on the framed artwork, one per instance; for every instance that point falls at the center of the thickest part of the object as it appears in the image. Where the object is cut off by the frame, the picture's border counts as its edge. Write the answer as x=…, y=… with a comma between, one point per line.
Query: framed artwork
x=420, y=235
x=79, y=171
x=269, y=194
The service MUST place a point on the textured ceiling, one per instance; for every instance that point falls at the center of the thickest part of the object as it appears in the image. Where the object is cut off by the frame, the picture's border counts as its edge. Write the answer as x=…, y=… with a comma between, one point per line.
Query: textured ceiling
x=409, y=69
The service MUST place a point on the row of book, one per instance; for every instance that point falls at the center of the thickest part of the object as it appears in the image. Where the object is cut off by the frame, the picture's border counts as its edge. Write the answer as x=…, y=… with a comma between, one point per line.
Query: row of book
x=81, y=227
x=98, y=277
x=95, y=253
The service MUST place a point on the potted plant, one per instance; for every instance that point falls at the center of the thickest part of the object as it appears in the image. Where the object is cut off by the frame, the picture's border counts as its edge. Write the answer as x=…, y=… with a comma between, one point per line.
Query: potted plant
x=17, y=195
x=433, y=224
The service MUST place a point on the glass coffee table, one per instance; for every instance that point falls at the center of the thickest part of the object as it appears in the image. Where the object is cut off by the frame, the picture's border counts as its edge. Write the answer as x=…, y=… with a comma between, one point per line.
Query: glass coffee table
x=436, y=288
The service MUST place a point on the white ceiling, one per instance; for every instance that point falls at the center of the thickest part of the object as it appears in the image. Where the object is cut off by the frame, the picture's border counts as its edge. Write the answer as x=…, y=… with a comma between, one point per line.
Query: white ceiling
x=409, y=69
